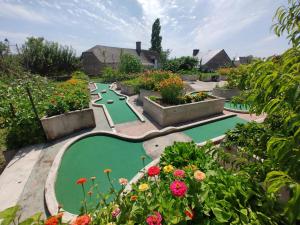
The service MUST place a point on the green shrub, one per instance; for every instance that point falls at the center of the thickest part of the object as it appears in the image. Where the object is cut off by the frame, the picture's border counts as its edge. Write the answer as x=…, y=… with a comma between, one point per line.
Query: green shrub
x=182, y=63
x=79, y=75
x=130, y=64
x=48, y=58
x=171, y=89
x=150, y=79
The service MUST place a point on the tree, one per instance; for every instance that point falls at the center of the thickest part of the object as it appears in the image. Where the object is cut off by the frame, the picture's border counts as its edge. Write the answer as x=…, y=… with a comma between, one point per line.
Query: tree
x=130, y=64
x=155, y=37
x=287, y=19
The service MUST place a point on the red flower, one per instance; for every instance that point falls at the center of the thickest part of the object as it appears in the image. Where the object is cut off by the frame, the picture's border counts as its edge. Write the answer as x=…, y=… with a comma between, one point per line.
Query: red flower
x=52, y=221
x=189, y=214
x=178, y=188
x=154, y=219
x=153, y=171
x=82, y=220
x=81, y=181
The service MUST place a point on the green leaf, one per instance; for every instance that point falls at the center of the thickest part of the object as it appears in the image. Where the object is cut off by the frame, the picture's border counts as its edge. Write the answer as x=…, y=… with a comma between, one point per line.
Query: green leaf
x=8, y=215
x=221, y=215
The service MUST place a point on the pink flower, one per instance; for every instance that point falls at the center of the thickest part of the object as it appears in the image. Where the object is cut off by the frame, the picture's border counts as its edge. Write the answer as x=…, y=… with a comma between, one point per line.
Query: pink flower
x=116, y=212
x=123, y=181
x=154, y=219
x=179, y=173
x=178, y=188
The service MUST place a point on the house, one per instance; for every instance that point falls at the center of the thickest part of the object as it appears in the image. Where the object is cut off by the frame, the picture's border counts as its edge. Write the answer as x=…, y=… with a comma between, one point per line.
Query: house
x=212, y=59
x=243, y=60
x=98, y=57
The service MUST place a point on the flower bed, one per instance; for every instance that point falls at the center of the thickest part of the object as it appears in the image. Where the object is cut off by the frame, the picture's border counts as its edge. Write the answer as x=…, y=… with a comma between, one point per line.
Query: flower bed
x=171, y=115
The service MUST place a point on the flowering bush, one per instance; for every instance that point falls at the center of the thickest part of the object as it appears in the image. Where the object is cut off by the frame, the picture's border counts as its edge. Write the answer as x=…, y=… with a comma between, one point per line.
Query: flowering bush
x=171, y=89
x=68, y=96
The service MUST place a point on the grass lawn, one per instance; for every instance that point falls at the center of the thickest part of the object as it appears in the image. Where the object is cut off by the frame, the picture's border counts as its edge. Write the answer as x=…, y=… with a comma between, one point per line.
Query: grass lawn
x=2, y=148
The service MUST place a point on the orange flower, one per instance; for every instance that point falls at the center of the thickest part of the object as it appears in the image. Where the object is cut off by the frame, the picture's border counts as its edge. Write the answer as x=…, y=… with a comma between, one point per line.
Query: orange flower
x=133, y=198
x=107, y=171
x=52, y=221
x=81, y=181
x=82, y=220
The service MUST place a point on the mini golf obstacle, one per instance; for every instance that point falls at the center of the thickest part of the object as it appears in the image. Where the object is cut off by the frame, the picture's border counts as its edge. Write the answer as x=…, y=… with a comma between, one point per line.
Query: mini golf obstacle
x=103, y=91
x=110, y=101
x=122, y=98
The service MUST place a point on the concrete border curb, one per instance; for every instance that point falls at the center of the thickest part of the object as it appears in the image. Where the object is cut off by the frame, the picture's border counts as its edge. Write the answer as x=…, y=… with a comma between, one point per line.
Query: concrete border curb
x=50, y=196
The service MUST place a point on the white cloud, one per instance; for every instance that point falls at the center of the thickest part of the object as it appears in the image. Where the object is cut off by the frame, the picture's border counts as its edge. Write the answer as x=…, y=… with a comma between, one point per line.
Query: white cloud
x=18, y=12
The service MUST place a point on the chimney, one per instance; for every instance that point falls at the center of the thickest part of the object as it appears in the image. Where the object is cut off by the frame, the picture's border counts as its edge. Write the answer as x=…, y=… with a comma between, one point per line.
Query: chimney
x=195, y=52
x=138, y=47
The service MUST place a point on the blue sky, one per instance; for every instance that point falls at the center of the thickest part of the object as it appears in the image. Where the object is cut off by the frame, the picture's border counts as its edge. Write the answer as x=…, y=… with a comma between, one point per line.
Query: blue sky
x=241, y=27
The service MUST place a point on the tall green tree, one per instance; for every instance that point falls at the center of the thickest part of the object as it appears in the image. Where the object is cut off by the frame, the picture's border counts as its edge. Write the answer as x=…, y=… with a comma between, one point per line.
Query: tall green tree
x=155, y=37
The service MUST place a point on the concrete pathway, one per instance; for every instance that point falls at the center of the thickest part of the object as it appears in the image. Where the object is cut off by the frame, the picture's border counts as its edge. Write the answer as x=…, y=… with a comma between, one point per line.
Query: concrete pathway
x=155, y=147
x=205, y=86
x=16, y=174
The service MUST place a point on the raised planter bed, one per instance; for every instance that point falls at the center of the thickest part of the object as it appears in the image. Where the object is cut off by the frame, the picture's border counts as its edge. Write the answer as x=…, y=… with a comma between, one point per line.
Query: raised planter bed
x=118, y=85
x=64, y=124
x=225, y=93
x=146, y=93
x=171, y=115
x=189, y=77
x=127, y=90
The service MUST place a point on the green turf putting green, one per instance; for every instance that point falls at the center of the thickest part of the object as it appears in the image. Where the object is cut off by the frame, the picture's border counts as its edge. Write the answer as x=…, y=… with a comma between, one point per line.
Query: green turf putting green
x=89, y=157
x=211, y=130
x=119, y=111
x=241, y=107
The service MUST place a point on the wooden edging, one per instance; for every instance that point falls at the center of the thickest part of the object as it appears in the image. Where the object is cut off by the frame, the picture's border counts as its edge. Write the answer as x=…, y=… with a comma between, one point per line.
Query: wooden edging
x=103, y=106
x=50, y=196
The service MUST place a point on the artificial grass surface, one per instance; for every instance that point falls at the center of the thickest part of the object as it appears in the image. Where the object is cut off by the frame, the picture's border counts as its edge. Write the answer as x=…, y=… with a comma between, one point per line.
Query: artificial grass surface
x=89, y=157
x=241, y=107
x=119, y=111
x=212, y=130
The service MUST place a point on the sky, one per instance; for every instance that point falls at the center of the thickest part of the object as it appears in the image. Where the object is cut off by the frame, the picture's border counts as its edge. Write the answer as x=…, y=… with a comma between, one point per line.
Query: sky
x=241, y=27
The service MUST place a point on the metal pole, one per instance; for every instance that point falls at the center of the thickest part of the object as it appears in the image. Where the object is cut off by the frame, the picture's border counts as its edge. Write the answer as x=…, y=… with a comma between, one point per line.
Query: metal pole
x=35, y=111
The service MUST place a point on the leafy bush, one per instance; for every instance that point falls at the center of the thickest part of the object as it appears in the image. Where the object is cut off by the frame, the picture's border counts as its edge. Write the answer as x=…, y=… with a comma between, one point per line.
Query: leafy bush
x=182, y=63
x=48, y=58
x=130, y=64
x=16, y=110
x=79, y=75
x=68, y=96
x=171, y=89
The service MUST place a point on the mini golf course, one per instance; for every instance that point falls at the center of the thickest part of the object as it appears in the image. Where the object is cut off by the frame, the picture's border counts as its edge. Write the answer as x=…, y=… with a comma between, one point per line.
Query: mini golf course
x=88, y=157
x=240, y=107
x=119, y=111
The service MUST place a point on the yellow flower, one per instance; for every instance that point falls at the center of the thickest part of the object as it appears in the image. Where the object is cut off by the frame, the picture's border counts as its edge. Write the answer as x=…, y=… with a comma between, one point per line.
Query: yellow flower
x=168, y=168
x=107, y=171
x=199, y=176
x=144, y=187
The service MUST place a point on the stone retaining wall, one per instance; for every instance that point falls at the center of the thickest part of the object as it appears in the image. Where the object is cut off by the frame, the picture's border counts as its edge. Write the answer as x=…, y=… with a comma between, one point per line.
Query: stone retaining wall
x=146, y=93
x=64, y=124
x=189, y=77
x=127, y=90
x=172, y=115
x=225, y=93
